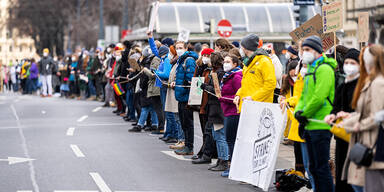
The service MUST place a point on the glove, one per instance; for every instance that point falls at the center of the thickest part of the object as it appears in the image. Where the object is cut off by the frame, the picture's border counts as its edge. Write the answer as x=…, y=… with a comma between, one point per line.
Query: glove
x=186, y=83
x=301, y=119
x=379, y=116
x=203, y=86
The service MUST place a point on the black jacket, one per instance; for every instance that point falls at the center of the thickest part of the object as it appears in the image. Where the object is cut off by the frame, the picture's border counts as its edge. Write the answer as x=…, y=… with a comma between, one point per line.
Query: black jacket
x=343, y=97
x=214, y=111
x=144, y=101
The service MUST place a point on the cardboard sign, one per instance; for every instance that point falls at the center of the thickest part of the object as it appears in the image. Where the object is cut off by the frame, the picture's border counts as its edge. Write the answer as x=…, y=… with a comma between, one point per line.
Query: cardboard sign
x=216, y=84
x=332, y=17
x=257, y=143
x=363, y=23
x=196, y=93
x=152, y=21
x=134, y=65
x=313, y=27
x=183, y=35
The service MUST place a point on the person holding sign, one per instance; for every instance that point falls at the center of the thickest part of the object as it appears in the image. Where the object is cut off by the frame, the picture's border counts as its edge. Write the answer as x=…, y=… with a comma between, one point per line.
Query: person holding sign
x=259, y=80
x=315, y=103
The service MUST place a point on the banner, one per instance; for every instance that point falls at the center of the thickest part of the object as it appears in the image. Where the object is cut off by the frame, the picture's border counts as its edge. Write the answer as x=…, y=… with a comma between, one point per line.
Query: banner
x=332, y=17
x=257, y=143
x=313, y=27
x=363, y=23
x=196, y=93
x=152, y=21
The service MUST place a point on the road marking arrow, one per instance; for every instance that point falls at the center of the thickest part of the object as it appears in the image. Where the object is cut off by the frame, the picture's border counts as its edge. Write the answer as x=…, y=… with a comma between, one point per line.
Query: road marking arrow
x=14, y=160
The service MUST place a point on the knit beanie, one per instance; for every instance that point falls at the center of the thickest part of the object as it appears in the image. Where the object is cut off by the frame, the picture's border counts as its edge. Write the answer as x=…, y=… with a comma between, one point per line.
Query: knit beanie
x=352, y=54
x=167, y=42
x=250, y=42
x=293, y=51
x=163, y=50
x=313, y=42
x=207, y=51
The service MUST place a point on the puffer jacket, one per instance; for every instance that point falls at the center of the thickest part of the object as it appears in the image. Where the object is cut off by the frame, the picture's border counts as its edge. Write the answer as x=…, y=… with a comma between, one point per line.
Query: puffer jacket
x=184, y=74
x=317, y=98
x=368, y=104
x=259, y=80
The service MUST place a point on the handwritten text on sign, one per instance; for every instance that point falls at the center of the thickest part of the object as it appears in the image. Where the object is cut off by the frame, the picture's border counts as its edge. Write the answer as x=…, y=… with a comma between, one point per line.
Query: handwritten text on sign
x=332, y=17
x=363, y=23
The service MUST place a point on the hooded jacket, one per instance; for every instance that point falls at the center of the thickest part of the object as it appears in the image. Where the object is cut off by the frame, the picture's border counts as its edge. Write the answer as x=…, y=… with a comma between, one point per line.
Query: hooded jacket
x=47, y=66
x=316, y=97
x=293, y=133
x=259, y=79
x=184, y=73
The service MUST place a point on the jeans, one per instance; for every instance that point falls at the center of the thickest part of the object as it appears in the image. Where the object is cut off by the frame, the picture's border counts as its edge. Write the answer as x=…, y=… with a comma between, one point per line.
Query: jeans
x=179, y=130
x=31, y=85
x=91, y=88
x=186, y=120
x=171, y=129
x=357, y=188
x=221, y=143
x=304, y=152
x=231, y=124
x=318, y=145
x=129, y=101
x=47, y=84
x=144, y=114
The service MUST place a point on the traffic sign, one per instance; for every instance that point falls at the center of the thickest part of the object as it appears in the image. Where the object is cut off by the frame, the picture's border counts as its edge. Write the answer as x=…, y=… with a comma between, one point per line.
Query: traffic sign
x=224, y=28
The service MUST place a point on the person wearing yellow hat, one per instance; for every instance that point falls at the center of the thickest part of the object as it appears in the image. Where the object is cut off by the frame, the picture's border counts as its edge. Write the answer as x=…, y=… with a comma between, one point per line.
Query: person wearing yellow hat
x=46, y=67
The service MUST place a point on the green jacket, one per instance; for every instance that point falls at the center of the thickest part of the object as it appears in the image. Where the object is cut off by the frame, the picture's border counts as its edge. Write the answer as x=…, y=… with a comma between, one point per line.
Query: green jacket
x=317, y=97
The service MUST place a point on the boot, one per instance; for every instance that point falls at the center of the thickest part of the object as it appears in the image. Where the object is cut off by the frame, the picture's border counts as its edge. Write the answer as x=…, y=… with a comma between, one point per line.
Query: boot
x=217, y=164
x=223, y=165
x=203, y=160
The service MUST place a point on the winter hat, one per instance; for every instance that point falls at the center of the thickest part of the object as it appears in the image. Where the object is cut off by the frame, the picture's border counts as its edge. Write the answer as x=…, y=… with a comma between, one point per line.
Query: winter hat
x=147, y=51
x=313, y=42
x=167, y=42
x=207, y=51
x=46, y=50
x=127, y=44
x=236, y=44
x=250, y=42
x=197, y=47
x=293, y=51
x=163, y=50
x=352, y=54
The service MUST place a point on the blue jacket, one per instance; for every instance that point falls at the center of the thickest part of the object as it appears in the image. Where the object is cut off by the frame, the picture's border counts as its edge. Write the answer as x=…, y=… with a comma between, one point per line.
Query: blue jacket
x=72, y=76
x=153, y=47
x=163, y=70
x=184, y=74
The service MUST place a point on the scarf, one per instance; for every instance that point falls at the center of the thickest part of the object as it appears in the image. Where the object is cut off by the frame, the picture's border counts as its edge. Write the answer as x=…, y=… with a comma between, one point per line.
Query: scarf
x=228, y=74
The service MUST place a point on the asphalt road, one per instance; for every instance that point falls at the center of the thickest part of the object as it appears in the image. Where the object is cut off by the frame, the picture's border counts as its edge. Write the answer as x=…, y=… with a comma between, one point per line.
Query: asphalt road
x=79, y=146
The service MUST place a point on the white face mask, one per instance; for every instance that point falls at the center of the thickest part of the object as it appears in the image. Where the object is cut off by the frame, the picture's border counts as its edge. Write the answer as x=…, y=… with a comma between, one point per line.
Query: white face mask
x=294, y=79
x=45, y=54
x=180, y=52
x=368, y=60
x=303, y=71
x=308, y=57
x=287, y=56
x=242, y=54
x=118, y=57
x=350, y=69
x=170, y=56
x=73, y=58
x=227, y=67
x=206, y=60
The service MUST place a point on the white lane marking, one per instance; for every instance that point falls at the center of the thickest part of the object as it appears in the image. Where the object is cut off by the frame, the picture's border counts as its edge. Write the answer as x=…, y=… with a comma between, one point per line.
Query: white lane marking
x=102, y=124
x=100, y=182
x=32, y=173
x=96, y=109
x=17, y=100
x=139, y=191
x=24, y=191
x=82, y=118
x=43, y=112
x=73, y=191
x=199, y=137
x=70, y=131
x=174, y=155
x=77, y=151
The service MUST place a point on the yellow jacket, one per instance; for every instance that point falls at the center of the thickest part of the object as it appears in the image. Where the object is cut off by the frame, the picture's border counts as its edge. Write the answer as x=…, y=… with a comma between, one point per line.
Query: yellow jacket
x=24, y=70
x=259, y=80
x=292, y=101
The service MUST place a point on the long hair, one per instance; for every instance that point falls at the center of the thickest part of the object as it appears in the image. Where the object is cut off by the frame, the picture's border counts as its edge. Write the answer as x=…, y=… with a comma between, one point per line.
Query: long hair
x=378, y=61
x=217, y=60
x=224, y=44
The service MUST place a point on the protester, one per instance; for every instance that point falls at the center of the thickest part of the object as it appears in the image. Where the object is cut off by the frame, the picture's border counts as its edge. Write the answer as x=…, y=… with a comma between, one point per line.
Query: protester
x=33, y=77
x=229, y=85
x=184, y=74
x=315, y=103
x=365, y=130
x=46, y=69
x=259, y=80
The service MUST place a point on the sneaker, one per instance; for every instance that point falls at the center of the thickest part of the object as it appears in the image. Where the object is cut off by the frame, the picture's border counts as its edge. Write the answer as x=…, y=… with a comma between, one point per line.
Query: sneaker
x=134, y=124
x=225, y=173
x=135, y=129
x=178, y=145
x=185, y=151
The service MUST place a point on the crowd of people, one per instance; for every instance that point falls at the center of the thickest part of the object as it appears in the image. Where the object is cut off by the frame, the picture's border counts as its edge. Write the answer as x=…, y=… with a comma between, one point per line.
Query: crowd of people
x=325, y=95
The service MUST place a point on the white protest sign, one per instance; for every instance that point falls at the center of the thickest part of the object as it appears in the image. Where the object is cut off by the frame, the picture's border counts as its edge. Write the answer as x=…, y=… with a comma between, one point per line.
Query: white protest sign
x=363, y=23
x=332, y=17
x=153, y=16
x=257, y=143
x=196, y=93
x=183, y=35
